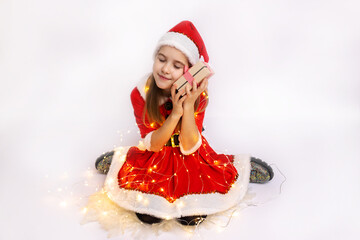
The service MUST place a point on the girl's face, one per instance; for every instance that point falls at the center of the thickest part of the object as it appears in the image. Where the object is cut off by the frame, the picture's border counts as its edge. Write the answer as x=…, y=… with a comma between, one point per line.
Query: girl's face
x=168, y=67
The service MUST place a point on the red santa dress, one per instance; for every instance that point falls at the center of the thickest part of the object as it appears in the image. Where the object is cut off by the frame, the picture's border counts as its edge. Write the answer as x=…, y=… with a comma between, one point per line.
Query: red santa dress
x=173, y=182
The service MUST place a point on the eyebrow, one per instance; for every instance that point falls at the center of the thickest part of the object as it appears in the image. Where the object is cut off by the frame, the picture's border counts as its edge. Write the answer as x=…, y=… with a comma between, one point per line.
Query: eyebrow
x=176, y=61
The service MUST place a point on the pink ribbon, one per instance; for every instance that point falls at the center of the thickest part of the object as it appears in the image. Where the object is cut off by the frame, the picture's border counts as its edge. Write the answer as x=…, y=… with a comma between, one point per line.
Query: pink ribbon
x=188, y=77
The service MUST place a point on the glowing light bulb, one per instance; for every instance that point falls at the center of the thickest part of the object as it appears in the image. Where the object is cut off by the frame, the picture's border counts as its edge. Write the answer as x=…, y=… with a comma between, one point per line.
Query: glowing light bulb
x=180, y=204
x=63, y=204
x=139, y=198
x=110, y=181
x=84, y=210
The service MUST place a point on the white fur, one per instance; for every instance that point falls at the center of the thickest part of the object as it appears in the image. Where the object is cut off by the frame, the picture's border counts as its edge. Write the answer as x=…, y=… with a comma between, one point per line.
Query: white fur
x=193, y=149
x=142, y=84
x=147, y=141
x=182, y=43
x=194, y=204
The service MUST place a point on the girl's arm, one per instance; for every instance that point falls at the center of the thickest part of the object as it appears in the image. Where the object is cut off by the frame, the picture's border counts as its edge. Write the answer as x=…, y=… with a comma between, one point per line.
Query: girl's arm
x=189, y=134
x=160, y=136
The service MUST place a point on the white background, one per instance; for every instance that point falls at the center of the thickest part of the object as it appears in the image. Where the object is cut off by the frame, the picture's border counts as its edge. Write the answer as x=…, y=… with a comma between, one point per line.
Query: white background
x=286, y=89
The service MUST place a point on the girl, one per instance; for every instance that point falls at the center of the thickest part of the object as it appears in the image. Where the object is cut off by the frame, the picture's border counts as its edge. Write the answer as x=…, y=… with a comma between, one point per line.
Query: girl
x=175, y=173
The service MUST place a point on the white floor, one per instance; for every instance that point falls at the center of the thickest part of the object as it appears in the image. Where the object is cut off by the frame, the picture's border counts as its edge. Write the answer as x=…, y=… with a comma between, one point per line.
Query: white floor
x=286, y=89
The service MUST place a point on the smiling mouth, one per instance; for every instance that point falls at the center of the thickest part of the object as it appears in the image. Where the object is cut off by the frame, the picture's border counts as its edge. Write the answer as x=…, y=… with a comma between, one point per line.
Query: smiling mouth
x=163, y=78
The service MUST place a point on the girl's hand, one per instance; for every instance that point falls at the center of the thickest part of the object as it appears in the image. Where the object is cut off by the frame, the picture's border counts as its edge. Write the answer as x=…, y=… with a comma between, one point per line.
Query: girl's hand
x=194, y=93
x=178, y=109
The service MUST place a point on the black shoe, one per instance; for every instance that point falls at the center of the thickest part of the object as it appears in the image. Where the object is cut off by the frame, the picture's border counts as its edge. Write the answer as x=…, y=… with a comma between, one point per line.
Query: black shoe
x=261, y=172
x=148, y=219
x=191, y=220
x=103, y=162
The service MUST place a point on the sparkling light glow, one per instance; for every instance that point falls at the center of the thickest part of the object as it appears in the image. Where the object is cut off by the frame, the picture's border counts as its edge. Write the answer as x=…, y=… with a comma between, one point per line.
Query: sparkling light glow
x=84, y=210
x=139, y=198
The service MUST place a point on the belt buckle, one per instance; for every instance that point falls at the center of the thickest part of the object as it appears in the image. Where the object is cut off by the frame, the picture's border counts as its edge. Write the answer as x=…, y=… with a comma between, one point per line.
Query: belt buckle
x=173, y=140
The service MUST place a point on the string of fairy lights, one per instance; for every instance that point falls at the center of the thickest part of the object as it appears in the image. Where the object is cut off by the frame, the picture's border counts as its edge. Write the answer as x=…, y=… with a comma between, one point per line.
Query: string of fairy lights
x=77, y=194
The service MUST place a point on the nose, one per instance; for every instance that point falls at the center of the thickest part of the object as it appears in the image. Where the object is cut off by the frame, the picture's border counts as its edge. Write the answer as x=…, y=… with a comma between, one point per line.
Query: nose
x=165, y=68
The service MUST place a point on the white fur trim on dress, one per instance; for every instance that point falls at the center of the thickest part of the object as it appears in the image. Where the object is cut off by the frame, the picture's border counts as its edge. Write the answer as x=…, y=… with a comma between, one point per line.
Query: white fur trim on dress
x=147, y=141
x=141, y=85
x=193, y=149
x=182, y=43
x=194, y=204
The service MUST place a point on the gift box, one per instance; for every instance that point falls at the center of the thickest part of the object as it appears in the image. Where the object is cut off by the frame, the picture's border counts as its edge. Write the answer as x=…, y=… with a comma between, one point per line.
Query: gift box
x=196, y=73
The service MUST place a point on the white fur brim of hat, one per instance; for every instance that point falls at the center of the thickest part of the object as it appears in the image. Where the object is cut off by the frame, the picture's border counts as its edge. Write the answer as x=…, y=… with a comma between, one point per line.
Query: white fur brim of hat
x=182, y=43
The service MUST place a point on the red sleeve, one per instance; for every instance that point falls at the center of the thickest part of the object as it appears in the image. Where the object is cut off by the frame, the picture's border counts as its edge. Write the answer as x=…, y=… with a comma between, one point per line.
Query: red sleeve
x=200, y=112
x=139, y=105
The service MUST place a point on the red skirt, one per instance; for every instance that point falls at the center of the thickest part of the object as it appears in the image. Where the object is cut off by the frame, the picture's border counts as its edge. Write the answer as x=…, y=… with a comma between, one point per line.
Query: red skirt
x=172, y=175
x=168, y=184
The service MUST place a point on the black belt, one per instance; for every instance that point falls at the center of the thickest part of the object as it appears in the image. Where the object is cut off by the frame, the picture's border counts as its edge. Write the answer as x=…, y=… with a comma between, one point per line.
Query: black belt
x=173, y=141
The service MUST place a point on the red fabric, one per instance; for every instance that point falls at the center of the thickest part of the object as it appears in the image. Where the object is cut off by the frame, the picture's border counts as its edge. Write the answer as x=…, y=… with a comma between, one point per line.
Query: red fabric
x=188, y=29
x=139, y=104
x=171, y=174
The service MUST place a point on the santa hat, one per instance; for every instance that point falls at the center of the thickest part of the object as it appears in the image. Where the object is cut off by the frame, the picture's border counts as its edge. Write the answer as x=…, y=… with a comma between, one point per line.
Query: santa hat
x=187, y=39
